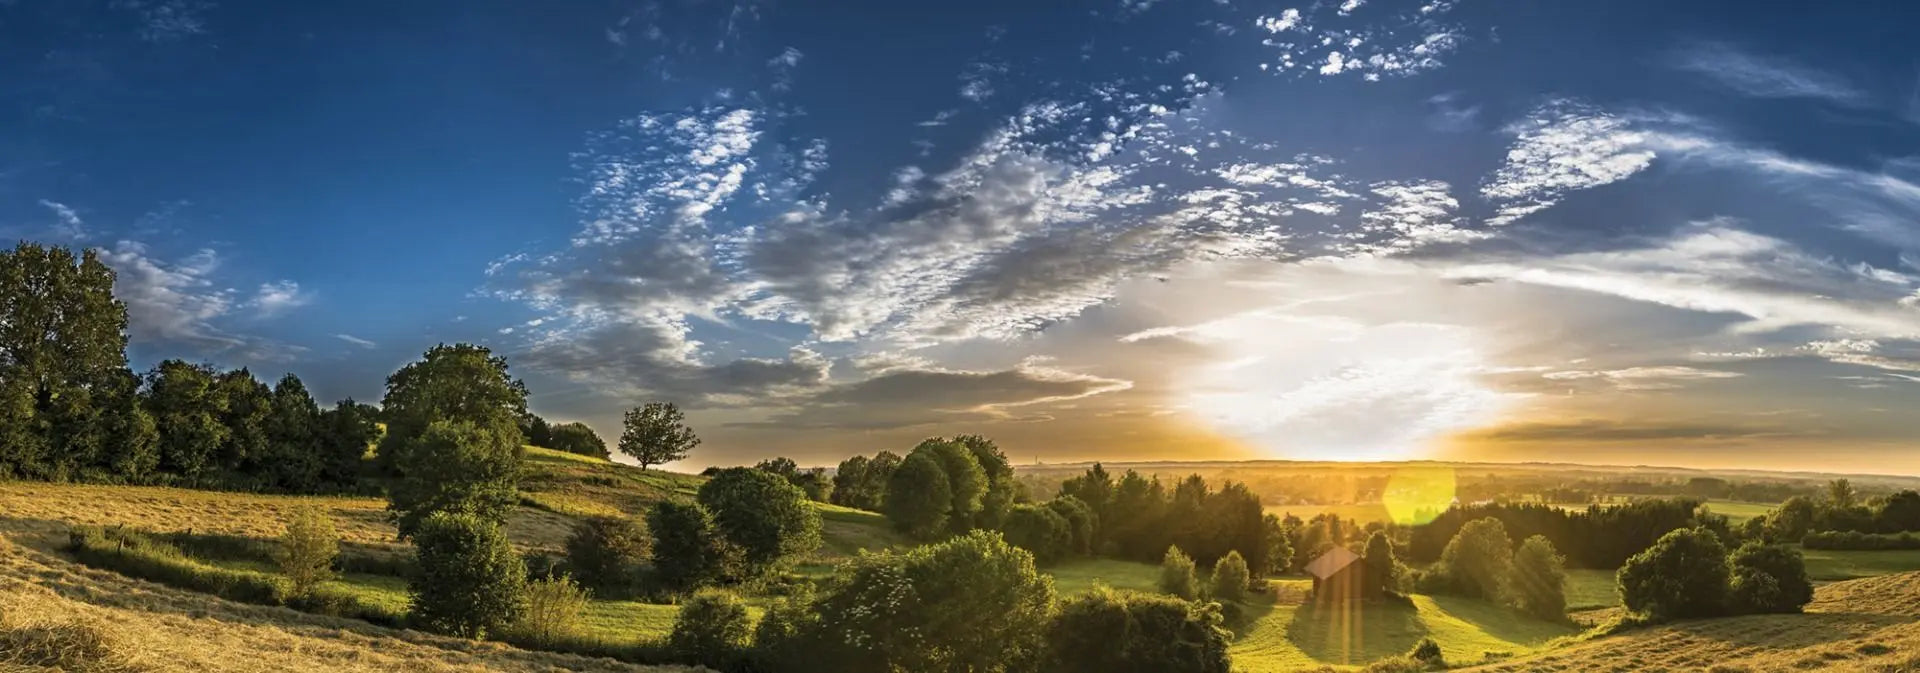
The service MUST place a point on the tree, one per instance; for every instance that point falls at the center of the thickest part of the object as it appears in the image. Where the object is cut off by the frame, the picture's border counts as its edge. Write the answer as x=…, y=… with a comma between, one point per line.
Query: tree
x=997, y=499
x=1840, y=494
x=1176, y=575
x=307, y=550
x=461, y=382
x=861, y=482
x=1683, y=575
x=1478, y=561
x=966, y=481
x=1792, y=520
x=536, y=431
x=688, y=551
x=1279, y=546
x=918, y=495
x=1901, y=512
x=344, y=434
x=1540, y=579
x=711, y=629
x=608, y=553
x=1039, y=530
x=576, y=438
x=246, y=403
x=656, y=433
x=186, y=410
x=1230, y=578
x=456, y=466
x=1106, y=631
x=294, y=460
x=972, y=603
x=1768, y=579
x=466, y=579
x=1080, y=523
x=62, y=340
x=767, y=518
x=1382, y=567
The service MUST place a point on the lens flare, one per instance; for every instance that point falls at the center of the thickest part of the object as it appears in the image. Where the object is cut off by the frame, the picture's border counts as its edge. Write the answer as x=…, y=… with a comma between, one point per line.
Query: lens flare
x=1417, y=494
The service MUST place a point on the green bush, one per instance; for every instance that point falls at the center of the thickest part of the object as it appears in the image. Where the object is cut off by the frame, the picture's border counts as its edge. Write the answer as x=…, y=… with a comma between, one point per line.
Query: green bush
x=553, y=609
x=1540, y=579
x=1039, y=530
x=307, y=550
x=467, y=580
x=1768, y=579
x=1857, y=541
x=688, y=552
x=608, y=554
x=1683, y=575
x=1230, y=578
x=711, y=630
x=1105, y=631
x=1081, y=522
x=770, y=520
x=1176, y=575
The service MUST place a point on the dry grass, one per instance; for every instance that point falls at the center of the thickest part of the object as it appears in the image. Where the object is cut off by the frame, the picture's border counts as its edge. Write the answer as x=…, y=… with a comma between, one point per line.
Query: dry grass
x=47, y=602
x=1868, y=624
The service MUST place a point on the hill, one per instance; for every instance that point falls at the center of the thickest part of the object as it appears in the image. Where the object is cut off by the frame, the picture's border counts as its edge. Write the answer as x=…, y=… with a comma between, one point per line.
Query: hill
x=1870, y=624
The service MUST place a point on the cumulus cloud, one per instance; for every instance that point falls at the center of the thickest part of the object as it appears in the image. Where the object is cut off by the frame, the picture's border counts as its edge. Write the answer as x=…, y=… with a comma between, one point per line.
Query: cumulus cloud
x=1394, y=45
x=1764, y=76
x=273, y=299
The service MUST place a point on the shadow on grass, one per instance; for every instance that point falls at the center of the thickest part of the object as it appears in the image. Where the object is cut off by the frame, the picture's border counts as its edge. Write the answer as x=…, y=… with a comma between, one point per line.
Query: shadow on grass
x=1355, y=632
x=1500, y=621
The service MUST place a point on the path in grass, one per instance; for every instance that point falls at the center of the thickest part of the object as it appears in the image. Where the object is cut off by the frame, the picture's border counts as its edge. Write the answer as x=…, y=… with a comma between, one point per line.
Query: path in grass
x=1296, y=637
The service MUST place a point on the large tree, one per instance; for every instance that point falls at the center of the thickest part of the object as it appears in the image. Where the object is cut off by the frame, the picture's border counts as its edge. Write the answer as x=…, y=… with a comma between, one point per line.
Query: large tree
x=459, y=467
x=1683, y=575
x=656, y=433
x=966, y=481
x=769, y=519
x=62, y=357
x=918, y=496
x=187, y=407
x=461, y=382
x=293, y=460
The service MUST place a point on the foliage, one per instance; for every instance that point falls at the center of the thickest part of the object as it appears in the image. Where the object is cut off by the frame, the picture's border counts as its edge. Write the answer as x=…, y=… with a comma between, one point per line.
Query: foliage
x=307, y=550
x=711, y=629
x=688, y=550
x=607, y=554
x=553, y=610
x=861, y=482
x=466, y=581
x=1230, y=578
x=768, y=519
x=457, y=383
x=458, y=467
x=1477, y=562
x=1080, y=523
x=966, y=480
x=187, y=410
x=918, y=496
x=1540, y=579
x=1768, y=579
x=1039, y=530
x=1683, y=575
x=1104, y=631
x=1857, y=541
x=1177, y=576
x=998, y=497
x=1279, y=555
x=136, y=554
x=656, y=433
x=576, y=438
x=1136, y=517
x=1597, y=537
x=62, y=339
x=1382, y=567
x=814, y=482
x=972, y=603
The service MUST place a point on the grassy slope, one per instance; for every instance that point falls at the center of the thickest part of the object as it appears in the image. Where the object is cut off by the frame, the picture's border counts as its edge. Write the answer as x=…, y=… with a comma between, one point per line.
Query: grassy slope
x=1298, y=637
x=1859, y=625
x=171, y=631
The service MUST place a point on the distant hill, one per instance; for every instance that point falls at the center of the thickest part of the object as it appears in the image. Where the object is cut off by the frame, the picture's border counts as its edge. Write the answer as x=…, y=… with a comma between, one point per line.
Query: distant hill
x=1870, y=624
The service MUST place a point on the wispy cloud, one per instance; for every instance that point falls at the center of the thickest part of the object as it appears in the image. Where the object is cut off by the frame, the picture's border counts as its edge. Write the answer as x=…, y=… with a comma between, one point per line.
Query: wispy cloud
x=1765, y=76
x=177, y=302
x=1561, y=147
x=67, y=223
x=276, y=298
x=357, y=341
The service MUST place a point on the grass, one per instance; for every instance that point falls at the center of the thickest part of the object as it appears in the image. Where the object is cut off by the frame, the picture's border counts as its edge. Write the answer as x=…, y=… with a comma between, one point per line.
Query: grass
x=1291, y=637
x=1080, y=575
x=1737, y=511
x=1832, y=565
x=1588, y=589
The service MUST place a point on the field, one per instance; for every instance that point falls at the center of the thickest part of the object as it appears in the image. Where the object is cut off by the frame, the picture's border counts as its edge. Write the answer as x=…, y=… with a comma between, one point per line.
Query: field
x=1306, y=636
x=1827, y=564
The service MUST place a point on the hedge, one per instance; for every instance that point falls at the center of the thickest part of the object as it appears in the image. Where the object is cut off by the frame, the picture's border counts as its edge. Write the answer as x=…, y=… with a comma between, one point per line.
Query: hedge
x=1857, y=541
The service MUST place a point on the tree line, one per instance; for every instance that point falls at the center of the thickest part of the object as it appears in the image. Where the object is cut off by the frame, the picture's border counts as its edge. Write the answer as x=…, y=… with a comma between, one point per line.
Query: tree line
x=1596, y=537
x=1841, y=519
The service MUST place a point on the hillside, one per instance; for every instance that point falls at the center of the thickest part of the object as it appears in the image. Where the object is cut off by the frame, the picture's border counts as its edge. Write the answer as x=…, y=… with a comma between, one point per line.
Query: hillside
x=1870, y=624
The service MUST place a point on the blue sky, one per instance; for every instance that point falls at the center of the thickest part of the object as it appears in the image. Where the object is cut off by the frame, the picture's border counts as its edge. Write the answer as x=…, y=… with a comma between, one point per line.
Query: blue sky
x=1600, y=231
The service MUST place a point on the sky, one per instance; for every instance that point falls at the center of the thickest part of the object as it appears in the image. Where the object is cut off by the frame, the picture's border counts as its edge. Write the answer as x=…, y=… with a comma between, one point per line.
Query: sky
x=1611, y=232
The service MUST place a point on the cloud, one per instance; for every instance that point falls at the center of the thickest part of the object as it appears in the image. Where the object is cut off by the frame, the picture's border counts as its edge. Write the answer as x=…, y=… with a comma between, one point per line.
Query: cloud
x=1763, y=76
x=1563, y=146
x=1392, y=45
x=903, y=397
x=1602, y=430
x=783, y=66
x=177, y=303
x=357, y=341
x=273, y=299
x=167, y=20
x=1663, y=377
x=68, y=224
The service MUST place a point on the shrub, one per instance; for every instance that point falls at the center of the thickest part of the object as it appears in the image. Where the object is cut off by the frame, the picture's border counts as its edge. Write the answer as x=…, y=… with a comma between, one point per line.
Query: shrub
x=1080, y=522
x=607, y=554
x=1425, y=656
x=779, y=640
x=577, y=438
x=1176, y=575
x=687, y=550
x=307, y=550
x=1477, y=561
x=918, y=496
x=711, y=630
x=552, y=613
x=1428, y=652
x=1683, y=575
x=1105, y=631
x=1857, y=541
x=1382, y=569
x=1768, y=579
x=1540, y=579
x=770, y=520
x=467, y=581
x=1039, y=530
x=1230, y=578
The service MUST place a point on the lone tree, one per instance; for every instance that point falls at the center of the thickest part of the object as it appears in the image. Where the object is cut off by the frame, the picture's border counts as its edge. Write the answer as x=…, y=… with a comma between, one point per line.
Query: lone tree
x=1768, y=579
x=656, y=433
x=1683, y=575
x=1540, y=579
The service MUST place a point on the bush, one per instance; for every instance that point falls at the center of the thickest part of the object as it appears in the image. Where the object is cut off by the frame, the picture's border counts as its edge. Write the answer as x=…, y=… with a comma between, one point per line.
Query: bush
x=1039, y=530
x=1857, y=541
x=307, y=550
x=711, y=630
x=552, y=613
x=1540, y=579
x=687, y=550
x=1683, y=575
x=770, y=520
x=467, y=581
x=1477, y=562
x=779, y=640
x=1768, y=579
x=1176, y=575
x=577, y=438
x=608, y=554
x=1230, y=578
x=918, y=496
x=1425, y=656
x=1105, y=631
x=457, y=467
x=1080, y=522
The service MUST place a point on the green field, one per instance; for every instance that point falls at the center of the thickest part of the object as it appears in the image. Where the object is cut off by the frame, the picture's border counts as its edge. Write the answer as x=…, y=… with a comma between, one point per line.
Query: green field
x=1298, y=637
x=1830, y=565
x=1078, y=576
x=1737, y=512
x=1588, y=589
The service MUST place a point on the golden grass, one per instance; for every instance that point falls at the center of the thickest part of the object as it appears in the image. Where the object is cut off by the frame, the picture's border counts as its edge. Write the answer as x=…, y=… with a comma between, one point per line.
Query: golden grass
x=1286, y=635
x=165, y=630
x=1868, y=624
